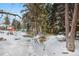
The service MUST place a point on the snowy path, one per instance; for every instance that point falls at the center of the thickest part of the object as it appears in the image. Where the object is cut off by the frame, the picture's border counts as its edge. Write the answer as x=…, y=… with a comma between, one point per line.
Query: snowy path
x=26, y=46
x=15, y=47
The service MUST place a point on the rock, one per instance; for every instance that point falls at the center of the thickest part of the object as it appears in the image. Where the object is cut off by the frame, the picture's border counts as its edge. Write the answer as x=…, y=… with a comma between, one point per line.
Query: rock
x=61, y=38
x=65, y=53
x=16, y=38
x=27, y=36
x=24, y=35
x=2, y=39
x=11, y=33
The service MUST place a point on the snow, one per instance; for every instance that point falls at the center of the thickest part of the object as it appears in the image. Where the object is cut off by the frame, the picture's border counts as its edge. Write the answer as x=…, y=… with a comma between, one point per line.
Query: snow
x=27, y=46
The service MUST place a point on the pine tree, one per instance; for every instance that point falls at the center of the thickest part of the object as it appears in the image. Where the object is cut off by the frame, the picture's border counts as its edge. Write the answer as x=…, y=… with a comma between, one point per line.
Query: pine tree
x=16, y=24
x=6, y=20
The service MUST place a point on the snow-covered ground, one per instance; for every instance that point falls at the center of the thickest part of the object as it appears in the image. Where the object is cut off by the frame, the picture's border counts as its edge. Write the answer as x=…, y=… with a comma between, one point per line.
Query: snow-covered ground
x=18, y=45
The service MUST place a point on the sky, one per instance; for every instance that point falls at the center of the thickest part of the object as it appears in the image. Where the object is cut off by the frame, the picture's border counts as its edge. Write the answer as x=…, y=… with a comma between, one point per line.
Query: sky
x=12, y=8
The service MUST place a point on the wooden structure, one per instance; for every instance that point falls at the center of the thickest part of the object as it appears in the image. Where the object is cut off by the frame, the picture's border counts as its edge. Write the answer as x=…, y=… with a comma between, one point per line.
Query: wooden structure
x=11, y=29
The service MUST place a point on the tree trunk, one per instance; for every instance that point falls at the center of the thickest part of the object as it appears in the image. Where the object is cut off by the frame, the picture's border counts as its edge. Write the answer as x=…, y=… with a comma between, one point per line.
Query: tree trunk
x=36, y=25
x=71, y=37
x=66, y=23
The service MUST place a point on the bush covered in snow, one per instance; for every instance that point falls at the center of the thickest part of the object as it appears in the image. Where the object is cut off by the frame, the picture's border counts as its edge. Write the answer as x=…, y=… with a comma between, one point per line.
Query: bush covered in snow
x=61, y=38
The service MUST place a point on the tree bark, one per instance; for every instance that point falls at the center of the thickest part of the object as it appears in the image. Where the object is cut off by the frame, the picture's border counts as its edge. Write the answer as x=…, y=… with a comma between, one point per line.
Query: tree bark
x=71, y=37
x=66, y=23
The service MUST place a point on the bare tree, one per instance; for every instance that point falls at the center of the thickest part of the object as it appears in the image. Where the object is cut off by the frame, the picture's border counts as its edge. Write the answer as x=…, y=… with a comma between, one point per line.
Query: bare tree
x=71, y=37
x=66, y=23
x=7, y=13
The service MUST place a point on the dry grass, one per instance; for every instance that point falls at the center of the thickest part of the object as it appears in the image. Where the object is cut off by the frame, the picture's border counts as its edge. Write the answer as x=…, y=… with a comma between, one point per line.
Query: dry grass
x=42, y=39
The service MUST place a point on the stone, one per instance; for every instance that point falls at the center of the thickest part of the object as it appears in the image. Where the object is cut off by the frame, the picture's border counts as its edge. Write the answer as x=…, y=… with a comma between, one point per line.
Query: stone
x=2, y=39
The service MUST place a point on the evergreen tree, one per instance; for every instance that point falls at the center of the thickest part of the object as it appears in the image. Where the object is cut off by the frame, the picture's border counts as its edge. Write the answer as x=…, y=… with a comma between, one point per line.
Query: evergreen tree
x=16, y=24
x=6, y=20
